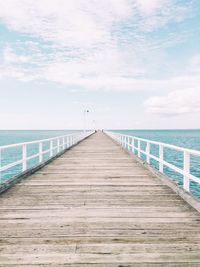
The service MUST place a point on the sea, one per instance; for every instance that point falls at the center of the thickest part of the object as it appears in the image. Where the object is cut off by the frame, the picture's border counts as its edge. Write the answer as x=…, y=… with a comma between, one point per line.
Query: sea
x=182, y=138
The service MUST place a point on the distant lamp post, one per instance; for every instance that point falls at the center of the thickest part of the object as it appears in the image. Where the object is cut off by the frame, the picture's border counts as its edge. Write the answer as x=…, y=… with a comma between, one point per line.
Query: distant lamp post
x=86, y=111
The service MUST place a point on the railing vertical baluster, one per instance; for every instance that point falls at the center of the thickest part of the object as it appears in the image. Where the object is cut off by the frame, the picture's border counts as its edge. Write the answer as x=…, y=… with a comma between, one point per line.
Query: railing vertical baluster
x=51, y=148
x=133, y=145
x=148, y=152
x=63, y=143
x=24, y=156
x=186, y=180
x=0, y=166
x=40, y=152
x=161, y=158
x=139, y=146
x=58, y=145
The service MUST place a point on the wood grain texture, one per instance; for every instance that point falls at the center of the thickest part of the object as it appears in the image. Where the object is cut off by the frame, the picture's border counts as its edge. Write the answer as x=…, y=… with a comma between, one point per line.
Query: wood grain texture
x=97, y=206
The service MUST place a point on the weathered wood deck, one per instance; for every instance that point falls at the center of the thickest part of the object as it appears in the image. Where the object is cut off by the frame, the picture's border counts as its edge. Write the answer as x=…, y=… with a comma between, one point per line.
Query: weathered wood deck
x=96, y=206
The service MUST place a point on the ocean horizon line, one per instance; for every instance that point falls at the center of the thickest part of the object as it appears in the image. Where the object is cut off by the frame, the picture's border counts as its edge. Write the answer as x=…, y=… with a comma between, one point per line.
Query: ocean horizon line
x=114, y=129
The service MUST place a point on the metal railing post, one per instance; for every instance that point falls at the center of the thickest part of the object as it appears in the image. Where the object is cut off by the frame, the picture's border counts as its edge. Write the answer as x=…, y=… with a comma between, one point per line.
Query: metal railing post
x=70, y=141
x=133, y=145
x=148, y=152
x=24, y=156
x=58, y=145
x=0, y=166
x=51, y=148
x=63, y=143
x=40, y=152
x=186, y=180
x=139, y=144
x=129, y=143
x=161, y=158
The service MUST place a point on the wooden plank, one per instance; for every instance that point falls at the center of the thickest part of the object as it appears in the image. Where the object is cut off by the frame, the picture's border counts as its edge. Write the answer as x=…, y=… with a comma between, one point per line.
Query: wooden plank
x=78, y=258
x=97, y=206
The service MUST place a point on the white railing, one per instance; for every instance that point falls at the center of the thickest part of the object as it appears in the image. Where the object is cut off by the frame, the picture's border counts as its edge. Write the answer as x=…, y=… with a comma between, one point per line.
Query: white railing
x=128, y=142
x=55, y=146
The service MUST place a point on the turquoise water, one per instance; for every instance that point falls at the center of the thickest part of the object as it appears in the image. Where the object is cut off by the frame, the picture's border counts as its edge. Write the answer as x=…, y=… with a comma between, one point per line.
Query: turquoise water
x=13, y=154
x=183, y=138
x=13, y=137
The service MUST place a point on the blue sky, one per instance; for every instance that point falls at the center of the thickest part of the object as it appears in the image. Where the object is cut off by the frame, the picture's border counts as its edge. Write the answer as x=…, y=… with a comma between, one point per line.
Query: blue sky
x=132, y=63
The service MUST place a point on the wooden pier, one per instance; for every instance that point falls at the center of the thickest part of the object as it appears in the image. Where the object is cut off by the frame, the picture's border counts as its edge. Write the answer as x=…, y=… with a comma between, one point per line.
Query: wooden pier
x=97, y=206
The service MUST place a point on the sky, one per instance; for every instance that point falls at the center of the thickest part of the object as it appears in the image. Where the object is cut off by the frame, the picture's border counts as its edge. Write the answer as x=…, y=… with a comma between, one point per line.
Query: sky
x=134, y=64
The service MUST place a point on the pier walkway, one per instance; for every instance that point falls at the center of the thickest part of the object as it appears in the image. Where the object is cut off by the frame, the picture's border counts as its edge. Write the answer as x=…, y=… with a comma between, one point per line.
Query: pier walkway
x=96, y=206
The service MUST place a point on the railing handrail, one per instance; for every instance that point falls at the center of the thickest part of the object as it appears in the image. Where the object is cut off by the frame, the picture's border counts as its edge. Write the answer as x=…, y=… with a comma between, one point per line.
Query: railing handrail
x=37, y=141
x=182, y=149
x=124, y=140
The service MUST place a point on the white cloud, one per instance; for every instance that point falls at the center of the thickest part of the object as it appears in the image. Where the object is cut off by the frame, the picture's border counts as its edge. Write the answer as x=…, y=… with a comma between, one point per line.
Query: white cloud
x=149, y=7
x=177, y=102
x=83, y=23
x=76, y=23
x=158, y=13
x=10, y=57
x=196, y=60
x=16, y=66
x=83, y=43
x=88, y=77
x=194, y=64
